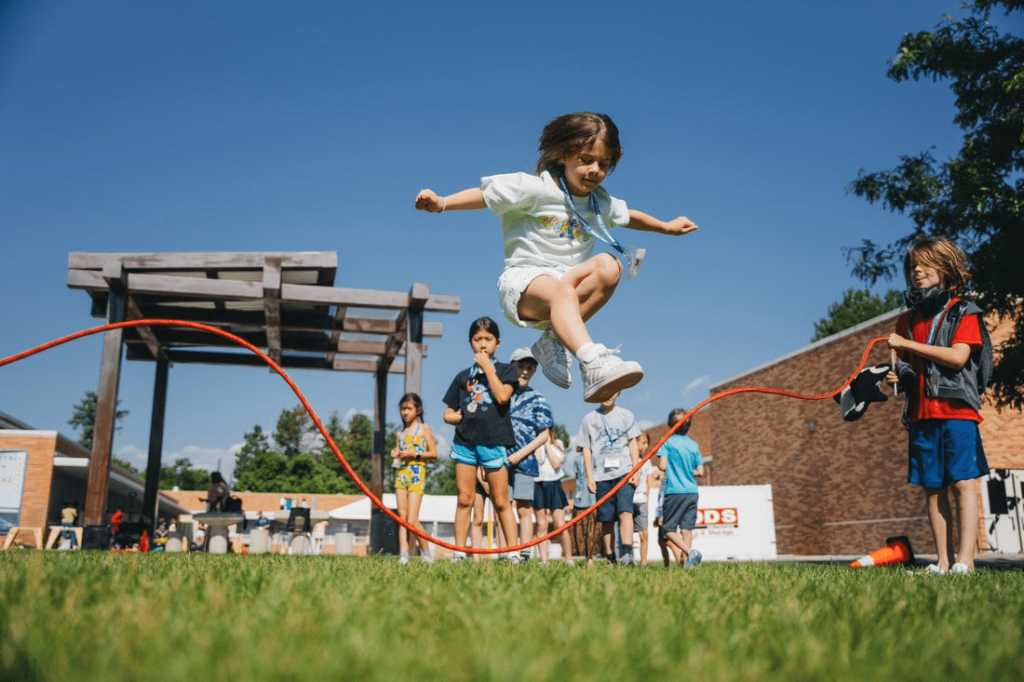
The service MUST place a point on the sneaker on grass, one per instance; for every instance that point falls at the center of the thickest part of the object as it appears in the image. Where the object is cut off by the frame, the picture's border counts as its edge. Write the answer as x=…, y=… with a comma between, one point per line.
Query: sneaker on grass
x=605, y=374
x=555, y=361
x=693, y=560
x=960, y=569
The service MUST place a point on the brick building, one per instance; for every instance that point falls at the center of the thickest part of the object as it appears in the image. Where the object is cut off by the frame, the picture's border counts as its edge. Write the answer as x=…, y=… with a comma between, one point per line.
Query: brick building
x=838, y=487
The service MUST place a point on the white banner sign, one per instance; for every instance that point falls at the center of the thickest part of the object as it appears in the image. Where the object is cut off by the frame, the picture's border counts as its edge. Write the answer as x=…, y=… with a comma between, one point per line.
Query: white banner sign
x=733, y=522
x=12, y=479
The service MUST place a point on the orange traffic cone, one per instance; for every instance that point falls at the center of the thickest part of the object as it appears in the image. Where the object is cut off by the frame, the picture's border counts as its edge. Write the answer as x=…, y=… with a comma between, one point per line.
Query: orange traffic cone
x=896, y=551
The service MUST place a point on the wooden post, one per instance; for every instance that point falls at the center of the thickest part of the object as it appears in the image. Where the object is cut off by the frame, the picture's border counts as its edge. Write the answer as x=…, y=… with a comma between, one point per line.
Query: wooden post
x=106, y=403
x=414, y=339
x=156, y=443
x=380, y=410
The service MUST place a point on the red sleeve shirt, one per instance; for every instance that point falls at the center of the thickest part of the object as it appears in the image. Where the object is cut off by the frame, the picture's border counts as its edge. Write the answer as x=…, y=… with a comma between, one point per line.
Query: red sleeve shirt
x=920, y=406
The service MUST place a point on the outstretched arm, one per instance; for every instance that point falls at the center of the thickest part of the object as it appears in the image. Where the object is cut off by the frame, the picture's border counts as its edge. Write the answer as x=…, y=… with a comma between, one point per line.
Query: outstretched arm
x=468, y=199
x=638, y=220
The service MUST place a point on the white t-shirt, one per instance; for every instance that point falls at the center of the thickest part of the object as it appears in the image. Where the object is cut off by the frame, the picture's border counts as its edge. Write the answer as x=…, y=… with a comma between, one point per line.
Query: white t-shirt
x=640, y=496
x=536, y=224
x=547, y=471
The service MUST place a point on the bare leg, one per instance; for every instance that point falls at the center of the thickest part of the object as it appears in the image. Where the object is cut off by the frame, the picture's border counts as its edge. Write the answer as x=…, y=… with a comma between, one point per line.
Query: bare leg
x=626, y=530
x=940, y=514
x=643, y=547
x=542, y=530
x=477, y=529
x=465, y=481
x=525, y=511
x=967, y=520
x=558, y=516
x=498, y=480
x=570, y=301
x=683, y=541
x=402, y=500
x=415, y=500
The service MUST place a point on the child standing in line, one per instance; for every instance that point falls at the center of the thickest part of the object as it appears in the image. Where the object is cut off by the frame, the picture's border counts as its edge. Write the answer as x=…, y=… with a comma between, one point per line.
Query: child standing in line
x=640, y=518
x=945, y=362
x=414, y=445
x=549, y=498
x=681, y=461
x=549, y=221
x=478, y=406
x=608, y=436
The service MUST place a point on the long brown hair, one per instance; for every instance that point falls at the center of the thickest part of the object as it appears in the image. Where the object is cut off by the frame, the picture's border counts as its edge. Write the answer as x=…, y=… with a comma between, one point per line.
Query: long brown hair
x=568, y=134
x=945, y=256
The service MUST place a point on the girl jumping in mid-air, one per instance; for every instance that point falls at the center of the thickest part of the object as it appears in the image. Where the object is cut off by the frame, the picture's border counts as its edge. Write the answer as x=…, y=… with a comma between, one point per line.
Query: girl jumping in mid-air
x=552, y=280
x=478, y=406
x=414, y=444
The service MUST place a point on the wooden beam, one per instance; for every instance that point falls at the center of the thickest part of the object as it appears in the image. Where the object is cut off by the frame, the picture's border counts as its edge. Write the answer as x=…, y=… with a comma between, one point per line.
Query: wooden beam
x=244, y=260
x=156, y=443
x=363, y=298
x=156, y=349
x=272, y=306
x=104, y=424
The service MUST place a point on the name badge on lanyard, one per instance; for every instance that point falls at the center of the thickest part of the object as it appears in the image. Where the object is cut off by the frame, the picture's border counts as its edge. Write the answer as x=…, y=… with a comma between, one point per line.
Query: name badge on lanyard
x=632, y=255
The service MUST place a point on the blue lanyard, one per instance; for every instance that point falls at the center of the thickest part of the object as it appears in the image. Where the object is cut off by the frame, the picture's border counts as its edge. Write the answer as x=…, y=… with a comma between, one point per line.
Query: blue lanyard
x=601, y=232
x=935, y=322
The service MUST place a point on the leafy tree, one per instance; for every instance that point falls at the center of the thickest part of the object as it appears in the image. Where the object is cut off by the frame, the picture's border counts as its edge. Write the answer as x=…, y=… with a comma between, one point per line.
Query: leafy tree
x=292, y=427
x=300, y=461
x=858, y=305
x=977, y=197
x=257, y=467
x=84, y=418
x=184, y=476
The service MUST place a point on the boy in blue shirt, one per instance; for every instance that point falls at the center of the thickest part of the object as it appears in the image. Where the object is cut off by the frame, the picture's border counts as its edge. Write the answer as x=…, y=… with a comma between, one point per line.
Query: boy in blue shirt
x=681, y=461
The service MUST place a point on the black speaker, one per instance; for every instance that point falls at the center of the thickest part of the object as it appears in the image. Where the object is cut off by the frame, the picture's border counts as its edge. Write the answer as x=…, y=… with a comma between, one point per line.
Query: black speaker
x=96, y=537
x=997, y=501
x=383, y=533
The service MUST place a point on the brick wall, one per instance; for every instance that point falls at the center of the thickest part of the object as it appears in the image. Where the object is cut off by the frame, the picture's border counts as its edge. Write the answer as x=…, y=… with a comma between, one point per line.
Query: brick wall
x=35, y=501
x=838, y=487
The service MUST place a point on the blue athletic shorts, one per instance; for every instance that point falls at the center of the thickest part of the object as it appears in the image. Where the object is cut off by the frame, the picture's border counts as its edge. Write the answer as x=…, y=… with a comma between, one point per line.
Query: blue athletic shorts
x=944, y=451
x=621, y=501
x=486, y=456
x=680, y=512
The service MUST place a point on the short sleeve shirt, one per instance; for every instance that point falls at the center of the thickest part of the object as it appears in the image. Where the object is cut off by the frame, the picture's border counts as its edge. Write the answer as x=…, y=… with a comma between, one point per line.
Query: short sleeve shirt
x=683, y=456
x=920, y=406
x=607, y=436
x=531, y=414
x=537, y=226
x=484, y=420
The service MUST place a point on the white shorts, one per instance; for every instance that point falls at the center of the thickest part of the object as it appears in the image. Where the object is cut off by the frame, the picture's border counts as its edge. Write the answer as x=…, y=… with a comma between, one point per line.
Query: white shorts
x=513, y=283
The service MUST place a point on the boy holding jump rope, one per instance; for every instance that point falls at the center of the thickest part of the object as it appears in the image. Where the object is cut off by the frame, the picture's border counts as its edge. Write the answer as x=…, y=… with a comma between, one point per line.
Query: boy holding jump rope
x=945, y=362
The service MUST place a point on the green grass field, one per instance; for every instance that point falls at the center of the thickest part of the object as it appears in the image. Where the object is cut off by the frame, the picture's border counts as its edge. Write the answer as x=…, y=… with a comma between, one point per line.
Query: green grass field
x=67, y=616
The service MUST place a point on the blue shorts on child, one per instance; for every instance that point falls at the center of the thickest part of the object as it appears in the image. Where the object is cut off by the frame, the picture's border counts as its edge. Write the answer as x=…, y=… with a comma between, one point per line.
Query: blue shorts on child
x=486, y=456
x=944, y=451
x=621, y=501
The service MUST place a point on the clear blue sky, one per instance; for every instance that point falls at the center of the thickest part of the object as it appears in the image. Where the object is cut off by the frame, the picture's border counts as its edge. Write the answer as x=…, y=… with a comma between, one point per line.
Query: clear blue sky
x=310, y=126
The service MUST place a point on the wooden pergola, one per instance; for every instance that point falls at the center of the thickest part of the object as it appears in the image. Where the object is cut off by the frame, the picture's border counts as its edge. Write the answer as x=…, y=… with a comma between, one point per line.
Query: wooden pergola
x=283, y=303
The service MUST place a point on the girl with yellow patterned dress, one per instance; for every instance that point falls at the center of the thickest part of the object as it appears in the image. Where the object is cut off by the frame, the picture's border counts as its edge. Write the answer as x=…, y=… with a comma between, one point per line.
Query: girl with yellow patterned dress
x=415, y=444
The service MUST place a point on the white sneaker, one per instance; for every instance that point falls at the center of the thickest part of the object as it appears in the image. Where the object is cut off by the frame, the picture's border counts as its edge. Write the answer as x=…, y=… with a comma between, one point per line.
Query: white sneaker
x=960, y=569
x=605, y=374
x=555, y=361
